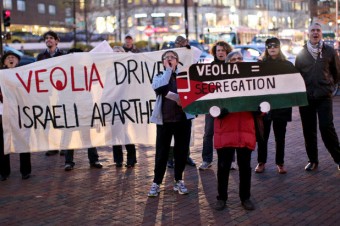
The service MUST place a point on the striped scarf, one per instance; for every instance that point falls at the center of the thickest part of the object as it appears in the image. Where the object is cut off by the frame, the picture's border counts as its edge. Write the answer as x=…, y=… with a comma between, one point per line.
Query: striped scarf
x=314, y=50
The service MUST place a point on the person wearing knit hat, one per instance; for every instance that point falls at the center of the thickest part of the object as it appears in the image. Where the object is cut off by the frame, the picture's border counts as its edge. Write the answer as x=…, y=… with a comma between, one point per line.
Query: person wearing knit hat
x=274, y=41
x=12, y=59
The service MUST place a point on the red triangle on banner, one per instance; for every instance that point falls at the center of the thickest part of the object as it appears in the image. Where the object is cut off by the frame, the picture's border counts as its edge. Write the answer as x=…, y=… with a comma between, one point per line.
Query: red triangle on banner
x=187, y=92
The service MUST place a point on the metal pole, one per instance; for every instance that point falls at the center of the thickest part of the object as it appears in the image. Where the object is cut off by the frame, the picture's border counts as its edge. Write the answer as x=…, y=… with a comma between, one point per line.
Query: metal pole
x=74, y=24
x=196, y=22
x=85, y=21
x=186, y=18
x=119, y=21
x=336, y=20
x=1, y=49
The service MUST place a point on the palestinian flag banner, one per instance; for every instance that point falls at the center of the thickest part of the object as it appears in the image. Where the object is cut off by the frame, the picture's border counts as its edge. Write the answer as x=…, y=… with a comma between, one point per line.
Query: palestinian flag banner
x=240, y=86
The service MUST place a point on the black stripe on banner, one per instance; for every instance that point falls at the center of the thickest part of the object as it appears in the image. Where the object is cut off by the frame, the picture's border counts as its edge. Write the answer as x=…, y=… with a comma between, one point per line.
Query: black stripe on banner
x=215, y=71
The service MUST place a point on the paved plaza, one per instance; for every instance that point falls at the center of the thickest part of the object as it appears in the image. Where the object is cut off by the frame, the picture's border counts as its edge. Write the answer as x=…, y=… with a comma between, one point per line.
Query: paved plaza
x=118, y=196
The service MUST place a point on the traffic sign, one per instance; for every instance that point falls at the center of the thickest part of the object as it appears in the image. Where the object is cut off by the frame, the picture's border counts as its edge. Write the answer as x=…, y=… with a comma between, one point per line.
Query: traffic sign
x=148, y=31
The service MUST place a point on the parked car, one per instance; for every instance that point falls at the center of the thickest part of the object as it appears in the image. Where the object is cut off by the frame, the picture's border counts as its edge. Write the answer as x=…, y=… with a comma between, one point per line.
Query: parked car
x=24, y=59
x=23, y=37
x=205, y=56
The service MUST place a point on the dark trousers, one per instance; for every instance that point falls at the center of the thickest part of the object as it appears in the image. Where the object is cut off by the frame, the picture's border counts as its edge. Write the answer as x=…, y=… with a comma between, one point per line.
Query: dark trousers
x=279, y=127
x=92, y=154
x=5, y=164
x=181, y=132
x=118, y=154
x=207, y=152
x=225, y=157
x=321, y=110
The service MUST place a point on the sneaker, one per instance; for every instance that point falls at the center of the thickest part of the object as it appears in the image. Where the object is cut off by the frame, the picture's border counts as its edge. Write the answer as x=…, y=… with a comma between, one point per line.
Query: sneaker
x=190, y=162
x=220, y=205
x=311, y=166
x=260, y=168
x=204, y=165
x=233, y=166
x=97, y=165
x=248, y=205
x=154, y=190
x=68, y=167
x=171, y=164
x=180, y=187
x=281, y=169
x=25, y=176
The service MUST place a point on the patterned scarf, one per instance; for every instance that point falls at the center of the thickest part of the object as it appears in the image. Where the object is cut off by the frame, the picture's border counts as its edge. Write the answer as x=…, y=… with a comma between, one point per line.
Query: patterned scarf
x=314, y=50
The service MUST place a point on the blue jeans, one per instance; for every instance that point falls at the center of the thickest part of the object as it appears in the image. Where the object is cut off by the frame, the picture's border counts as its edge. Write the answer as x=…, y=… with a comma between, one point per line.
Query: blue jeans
x=207, y=152
x=92, y=154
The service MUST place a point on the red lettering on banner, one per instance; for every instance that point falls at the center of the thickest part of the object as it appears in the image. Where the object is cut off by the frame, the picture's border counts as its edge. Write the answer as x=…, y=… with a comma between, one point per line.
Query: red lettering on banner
x=94, y=69
x=38, y=81
x=28, y=86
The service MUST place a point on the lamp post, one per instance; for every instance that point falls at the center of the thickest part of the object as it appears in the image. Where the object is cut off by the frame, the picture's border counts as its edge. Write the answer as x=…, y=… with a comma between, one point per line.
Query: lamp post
x=186, y=18
x=196, y=19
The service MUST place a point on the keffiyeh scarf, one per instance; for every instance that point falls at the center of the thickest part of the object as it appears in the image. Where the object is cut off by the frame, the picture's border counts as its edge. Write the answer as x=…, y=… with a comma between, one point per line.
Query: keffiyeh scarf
x=314, y=50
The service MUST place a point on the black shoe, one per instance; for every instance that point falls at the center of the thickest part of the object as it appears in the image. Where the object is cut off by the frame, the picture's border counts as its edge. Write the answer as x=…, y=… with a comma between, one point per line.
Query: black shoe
x=171, y=164
x=220, y=205
x=53, y=152
x=311, y=166
x=97, y=165
x=62, y=152
x=129, y=165
x=190, y=162
x=26, y=176
x=248, y=205
x=119, y=164
x=68, y=167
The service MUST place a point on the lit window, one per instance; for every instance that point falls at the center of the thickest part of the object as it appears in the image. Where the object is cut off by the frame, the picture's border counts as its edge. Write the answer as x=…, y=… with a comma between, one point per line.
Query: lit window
x=21, y=5
x=52, y=9
x=8, y=4
x=41, y=8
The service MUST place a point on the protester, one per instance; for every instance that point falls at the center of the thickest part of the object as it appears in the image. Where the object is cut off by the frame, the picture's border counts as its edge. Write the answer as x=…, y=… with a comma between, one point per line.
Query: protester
x=131, y=159
x=129, y=46
x=228, y=126
x=92, y=153
x=51, y=40
x=11, y=60
x=172, y=122
x=279, y=117
x=179, y=43
x=220, y=50
x=319, y=66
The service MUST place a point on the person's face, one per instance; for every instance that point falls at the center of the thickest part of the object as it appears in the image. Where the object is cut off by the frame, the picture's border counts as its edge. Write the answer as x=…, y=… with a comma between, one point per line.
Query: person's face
x=128, y=42
x=50, y=41
x=273, y=50
x=221, y=53
x=171, y=60
x=11, y=61
x=236, y=58
x=315, y=34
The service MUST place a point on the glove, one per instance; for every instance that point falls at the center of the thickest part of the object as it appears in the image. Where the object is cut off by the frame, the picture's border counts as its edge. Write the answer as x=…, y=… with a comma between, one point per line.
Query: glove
x=188, y=46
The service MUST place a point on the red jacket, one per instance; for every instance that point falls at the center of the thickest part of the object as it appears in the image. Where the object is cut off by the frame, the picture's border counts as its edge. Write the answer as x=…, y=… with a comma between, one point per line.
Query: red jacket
x=235, y=130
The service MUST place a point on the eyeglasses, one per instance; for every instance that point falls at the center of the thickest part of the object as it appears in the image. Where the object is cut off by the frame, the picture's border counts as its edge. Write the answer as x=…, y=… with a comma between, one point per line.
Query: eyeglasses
x=169, y=58
x=269, y=46
x=236, y=59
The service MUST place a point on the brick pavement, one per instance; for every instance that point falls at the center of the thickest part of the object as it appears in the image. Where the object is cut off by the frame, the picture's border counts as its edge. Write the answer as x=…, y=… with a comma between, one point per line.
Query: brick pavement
x=111, y=196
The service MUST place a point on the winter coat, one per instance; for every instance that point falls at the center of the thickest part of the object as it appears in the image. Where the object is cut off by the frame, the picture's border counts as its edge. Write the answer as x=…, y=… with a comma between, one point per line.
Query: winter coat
x=235, y=130
x=321, y=74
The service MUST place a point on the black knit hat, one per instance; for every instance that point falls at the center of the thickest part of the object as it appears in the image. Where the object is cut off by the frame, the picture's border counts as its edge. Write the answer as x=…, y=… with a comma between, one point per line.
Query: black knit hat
x=273, y=40
x=8, y=53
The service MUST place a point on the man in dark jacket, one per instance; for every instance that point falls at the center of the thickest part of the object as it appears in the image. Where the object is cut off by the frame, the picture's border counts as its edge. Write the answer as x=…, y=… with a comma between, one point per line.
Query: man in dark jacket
x=320, y=68
x=51, y=40
x=128, y=45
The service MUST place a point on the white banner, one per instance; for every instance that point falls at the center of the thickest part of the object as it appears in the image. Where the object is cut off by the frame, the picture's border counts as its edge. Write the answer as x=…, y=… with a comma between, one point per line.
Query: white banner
x=81, y=100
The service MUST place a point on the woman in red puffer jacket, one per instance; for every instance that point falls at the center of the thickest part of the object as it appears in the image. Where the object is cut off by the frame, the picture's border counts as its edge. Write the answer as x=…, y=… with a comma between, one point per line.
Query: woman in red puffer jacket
x=234, y=132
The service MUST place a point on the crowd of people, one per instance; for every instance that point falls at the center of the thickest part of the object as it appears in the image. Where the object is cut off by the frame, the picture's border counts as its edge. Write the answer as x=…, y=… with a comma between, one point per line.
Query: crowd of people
x=233, y=135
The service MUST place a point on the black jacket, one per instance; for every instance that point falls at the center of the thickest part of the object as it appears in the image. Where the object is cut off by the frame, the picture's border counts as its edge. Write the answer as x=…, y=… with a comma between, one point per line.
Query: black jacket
x=45, y=55
x=321, y=74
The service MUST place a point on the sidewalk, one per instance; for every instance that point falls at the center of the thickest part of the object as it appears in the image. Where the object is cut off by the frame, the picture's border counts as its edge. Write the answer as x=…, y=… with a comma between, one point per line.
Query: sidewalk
x=112, y=196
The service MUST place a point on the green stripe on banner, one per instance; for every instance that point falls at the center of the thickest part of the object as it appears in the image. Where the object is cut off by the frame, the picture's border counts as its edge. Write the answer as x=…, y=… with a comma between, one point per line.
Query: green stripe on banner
x=251, y=103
